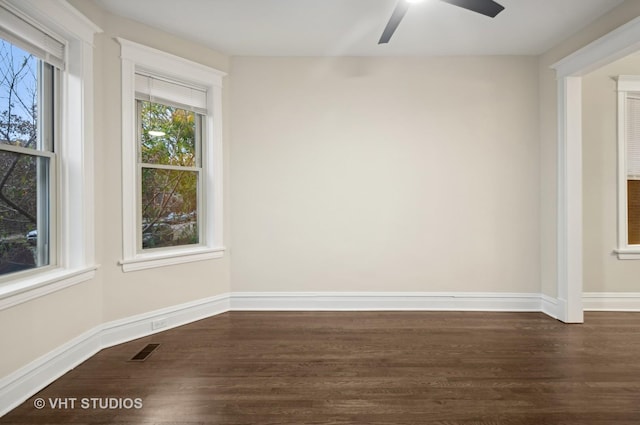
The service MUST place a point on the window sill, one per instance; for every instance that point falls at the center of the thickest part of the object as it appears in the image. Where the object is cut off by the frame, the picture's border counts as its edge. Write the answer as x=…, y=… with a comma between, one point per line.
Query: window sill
x=22, y=290
x=628, y=253
x=149, y=261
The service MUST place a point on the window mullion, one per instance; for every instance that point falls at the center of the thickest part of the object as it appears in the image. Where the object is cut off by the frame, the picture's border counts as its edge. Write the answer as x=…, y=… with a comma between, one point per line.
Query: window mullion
x=26, y=151
x=170, y=167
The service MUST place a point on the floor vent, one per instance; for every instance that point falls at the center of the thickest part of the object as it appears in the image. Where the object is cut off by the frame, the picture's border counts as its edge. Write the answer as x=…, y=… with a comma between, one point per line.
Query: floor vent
x=144, y=353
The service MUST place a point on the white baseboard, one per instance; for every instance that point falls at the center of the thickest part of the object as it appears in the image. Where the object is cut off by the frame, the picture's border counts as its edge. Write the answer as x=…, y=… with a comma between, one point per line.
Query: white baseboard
x=551, y=306
x=134, y=327
x=28, y=380
x=380, y=301
x=611, y=301
x=18, y=386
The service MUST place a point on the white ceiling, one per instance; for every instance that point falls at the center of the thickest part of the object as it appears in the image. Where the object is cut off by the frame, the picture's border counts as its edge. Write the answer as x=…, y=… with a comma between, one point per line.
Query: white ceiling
x=353, y=27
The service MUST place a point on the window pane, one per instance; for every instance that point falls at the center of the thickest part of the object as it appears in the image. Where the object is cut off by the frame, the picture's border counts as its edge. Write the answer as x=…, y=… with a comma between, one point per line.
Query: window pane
x=633, y=168
x=169, y=208
x=633, y=211
x=168, y=135
x=633, y=135
x=18, y=96
x=24, y=211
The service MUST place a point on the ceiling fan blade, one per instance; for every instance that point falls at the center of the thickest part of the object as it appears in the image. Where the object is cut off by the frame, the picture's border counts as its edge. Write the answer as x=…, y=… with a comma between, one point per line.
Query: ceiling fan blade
x=394, y=21
x=486, y=7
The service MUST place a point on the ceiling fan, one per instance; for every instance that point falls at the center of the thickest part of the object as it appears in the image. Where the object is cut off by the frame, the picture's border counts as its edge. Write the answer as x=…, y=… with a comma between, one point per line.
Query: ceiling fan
x=485, y=7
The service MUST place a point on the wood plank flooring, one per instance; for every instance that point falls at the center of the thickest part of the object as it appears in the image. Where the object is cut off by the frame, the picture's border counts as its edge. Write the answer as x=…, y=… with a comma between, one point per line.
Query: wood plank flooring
x=369, y=368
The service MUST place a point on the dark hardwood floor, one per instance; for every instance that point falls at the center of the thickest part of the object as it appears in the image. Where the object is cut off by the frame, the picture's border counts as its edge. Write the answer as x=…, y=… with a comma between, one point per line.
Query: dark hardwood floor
x=361, y=368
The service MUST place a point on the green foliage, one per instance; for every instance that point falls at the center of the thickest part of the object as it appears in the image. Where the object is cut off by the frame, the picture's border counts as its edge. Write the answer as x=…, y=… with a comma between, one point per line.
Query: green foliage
x=178, y=145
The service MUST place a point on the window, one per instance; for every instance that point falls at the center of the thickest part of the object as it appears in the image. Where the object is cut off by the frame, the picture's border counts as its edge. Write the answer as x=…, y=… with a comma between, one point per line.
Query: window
x=170, y=175
x=27, y=160
x=633, y=167
x=629, y=167
x=46, y=149
x=172, y=159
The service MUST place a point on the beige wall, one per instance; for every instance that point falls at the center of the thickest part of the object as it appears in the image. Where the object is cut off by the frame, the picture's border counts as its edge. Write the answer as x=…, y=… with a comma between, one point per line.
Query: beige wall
x=34, y=328
x=548, y=132
x=603, y=272
x=365, y=174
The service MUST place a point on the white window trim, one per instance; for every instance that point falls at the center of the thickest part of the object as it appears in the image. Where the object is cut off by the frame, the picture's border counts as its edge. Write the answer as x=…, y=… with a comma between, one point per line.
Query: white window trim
x=75, y=223
x=626, y=84
x=136, y=56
